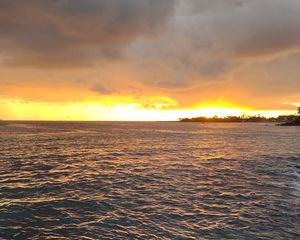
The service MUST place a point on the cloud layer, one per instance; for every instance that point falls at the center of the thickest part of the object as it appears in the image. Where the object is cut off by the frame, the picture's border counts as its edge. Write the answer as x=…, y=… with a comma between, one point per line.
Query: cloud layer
x=63, y=33
x=242, y=51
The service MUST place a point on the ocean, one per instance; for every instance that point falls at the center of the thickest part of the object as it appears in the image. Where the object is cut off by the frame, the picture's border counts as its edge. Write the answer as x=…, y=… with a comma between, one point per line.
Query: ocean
x=149, y=180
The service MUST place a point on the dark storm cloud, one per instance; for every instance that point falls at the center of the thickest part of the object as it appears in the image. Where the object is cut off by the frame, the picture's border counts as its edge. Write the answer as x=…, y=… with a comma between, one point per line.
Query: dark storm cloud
x=209, y=40
x=194, y=7
x=244, y=27
x=260, y=28
x=74, y=32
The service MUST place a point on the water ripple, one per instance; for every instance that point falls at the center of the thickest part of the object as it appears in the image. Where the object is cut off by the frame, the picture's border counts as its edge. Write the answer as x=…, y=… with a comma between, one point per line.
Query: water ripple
x=149, y=181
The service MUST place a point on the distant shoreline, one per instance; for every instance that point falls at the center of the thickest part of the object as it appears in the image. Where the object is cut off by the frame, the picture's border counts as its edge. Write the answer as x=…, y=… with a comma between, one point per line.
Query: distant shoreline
x=187, y=120
x=292, y=120
x=289, y=124
x=232, y=120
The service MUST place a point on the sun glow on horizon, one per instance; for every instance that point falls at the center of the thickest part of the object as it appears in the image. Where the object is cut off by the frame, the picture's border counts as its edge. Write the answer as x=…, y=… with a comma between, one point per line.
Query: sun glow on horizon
x=89, y=111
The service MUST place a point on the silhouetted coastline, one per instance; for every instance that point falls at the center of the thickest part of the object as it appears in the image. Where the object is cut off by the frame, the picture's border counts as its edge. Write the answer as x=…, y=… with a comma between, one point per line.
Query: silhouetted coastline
x=291, y=120
x=231, y=119
x=296, y=122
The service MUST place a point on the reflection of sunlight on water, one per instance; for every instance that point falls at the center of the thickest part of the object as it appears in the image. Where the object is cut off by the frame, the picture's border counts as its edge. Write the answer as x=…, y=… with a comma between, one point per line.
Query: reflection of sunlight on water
x=148, y=180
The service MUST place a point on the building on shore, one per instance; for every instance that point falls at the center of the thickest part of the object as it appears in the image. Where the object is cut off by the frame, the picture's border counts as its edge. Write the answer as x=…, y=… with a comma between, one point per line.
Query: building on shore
x=288, y=119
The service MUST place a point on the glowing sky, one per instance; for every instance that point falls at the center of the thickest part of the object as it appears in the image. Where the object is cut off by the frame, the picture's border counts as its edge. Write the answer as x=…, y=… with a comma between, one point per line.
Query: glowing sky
x=148, y=59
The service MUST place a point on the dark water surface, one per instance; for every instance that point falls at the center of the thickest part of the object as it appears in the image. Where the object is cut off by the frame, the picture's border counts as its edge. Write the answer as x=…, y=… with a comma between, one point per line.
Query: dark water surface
x=149, y=181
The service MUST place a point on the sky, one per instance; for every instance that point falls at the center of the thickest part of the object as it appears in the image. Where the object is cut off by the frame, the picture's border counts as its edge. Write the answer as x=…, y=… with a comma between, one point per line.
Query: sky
x=148, y=59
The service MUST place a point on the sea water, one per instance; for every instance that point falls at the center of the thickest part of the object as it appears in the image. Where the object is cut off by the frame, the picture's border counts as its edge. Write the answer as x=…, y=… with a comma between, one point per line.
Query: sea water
x=143, y=180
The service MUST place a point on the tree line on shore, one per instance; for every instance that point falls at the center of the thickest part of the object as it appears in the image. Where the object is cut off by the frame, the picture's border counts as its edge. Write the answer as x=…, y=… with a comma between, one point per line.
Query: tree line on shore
x=230, y=119
x=292, y=119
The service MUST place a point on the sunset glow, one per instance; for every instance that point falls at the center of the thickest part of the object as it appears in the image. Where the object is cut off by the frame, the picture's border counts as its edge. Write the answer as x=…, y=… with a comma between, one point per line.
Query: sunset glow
x=107, y=61
x=24, y=110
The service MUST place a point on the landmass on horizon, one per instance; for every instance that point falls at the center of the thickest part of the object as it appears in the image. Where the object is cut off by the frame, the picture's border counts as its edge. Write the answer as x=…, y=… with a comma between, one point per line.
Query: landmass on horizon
x=291, y=120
